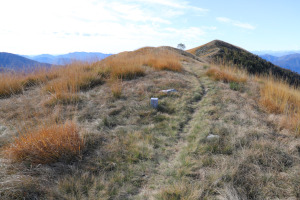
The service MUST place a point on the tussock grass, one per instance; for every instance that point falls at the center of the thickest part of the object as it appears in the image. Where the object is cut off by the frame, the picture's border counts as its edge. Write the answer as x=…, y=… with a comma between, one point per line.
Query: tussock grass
x=279, y=97
x=10, y=84
x=227, y=74
x=49, y=144
x=276, y=95
x=128, y=65
x=15, y=82
x=179, y=191
x=73, y=78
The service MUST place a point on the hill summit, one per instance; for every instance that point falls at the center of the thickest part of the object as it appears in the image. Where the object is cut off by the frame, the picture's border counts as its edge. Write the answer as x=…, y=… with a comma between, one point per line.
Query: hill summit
x=220, y=52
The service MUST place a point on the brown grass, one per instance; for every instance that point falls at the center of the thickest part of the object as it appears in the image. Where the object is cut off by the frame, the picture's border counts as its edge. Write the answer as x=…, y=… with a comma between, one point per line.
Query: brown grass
x=280, y=98
x=227, y=74
x=129, y=65
x=10, y=84
x=49, y=144
x=276, y=96
x=15, y=82
x=116, y=88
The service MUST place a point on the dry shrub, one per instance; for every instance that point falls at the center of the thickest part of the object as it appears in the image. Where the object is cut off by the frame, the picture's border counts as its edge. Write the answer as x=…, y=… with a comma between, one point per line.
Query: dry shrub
x=49, y=144
x=280, y=98
x=227, y=74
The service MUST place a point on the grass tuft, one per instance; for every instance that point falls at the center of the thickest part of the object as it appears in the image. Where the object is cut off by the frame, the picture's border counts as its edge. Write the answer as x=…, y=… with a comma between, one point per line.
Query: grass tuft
x=49, y=144
x=226, y=74
x=276, y=96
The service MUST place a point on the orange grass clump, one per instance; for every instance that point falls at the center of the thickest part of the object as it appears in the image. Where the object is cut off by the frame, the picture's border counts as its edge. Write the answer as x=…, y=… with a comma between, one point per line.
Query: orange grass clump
x=10, y=83
x=227, y=74
x=47, y=145
x=276, y=96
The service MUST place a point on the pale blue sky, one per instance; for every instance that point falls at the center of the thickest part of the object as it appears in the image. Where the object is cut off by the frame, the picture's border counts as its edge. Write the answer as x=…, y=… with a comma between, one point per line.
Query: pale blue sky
x=112, y=26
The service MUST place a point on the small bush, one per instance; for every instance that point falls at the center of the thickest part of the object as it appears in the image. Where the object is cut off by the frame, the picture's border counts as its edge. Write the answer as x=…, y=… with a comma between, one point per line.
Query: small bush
x=234, y=86
x=48, y=144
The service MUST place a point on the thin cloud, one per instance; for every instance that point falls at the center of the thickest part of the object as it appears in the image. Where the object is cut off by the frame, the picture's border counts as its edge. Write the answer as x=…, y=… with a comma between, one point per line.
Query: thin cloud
x=174, y=4
x=236, y=23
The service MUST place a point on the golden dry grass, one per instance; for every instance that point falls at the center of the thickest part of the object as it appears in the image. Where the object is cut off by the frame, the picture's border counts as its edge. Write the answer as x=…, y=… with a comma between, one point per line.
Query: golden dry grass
x=276, y=96
x=227, y=74
x=15, y=82
x=280, y=98
x=10, y=84
x=72, y=78
x=128, y=65
x=49, y=144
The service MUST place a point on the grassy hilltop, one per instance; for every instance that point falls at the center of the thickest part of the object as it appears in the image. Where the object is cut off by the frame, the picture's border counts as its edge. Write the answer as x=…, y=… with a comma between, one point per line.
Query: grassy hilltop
x=87, y=130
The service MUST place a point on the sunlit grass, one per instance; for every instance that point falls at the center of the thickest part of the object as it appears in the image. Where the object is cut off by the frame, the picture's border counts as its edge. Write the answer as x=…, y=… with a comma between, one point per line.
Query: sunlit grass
x=279, y=97
x=227, y=74
x=49, y=144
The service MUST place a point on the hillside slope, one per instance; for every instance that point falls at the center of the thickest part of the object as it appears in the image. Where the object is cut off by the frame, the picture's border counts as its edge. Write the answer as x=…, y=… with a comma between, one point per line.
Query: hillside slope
x=13, y=61
x=224, y=53
x=206, y=140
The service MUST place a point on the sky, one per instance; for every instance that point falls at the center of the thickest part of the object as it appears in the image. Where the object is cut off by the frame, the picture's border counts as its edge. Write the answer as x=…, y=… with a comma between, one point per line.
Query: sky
x=110, y=26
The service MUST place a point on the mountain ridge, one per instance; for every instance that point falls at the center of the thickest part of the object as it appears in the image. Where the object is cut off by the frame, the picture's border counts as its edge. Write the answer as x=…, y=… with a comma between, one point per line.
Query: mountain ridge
x=221, y=52
x=291, y=61
x=9, y=61
x=62, y=59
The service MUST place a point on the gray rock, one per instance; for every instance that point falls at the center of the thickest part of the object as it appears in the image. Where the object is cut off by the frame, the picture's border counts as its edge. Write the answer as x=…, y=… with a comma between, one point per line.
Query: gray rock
x=211, y=137
x=2, y=129
x=168, y=91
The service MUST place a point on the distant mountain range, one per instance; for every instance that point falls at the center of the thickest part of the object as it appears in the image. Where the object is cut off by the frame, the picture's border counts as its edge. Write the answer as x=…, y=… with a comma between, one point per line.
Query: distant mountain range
x=275, y=53
x=291, y=61
x=9, y=61
x=15, y=62
x=68, y=58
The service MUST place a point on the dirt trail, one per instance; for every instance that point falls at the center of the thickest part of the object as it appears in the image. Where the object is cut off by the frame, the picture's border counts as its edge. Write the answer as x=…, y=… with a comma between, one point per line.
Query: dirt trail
x=165, y=168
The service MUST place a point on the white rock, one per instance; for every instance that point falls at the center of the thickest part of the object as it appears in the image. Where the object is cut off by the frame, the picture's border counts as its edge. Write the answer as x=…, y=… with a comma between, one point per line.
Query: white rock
x=212, y=137
x=168, y=91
